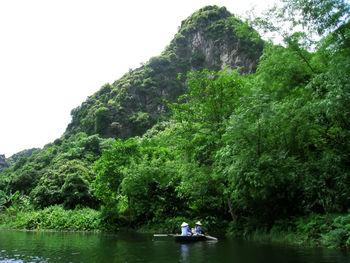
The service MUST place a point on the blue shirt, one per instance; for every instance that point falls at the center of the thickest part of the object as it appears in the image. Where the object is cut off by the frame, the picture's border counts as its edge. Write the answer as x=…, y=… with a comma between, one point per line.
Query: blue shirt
x=199, y=230
x=185, y=231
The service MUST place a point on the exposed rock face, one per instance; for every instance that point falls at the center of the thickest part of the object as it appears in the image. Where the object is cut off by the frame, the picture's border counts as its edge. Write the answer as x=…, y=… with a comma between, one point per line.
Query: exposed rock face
x=221, y=40
x=3, y=163
x=220, y=55
x=211, y=38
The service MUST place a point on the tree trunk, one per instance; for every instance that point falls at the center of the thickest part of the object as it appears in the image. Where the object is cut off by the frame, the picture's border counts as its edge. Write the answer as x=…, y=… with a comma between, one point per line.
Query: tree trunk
x=234, y=218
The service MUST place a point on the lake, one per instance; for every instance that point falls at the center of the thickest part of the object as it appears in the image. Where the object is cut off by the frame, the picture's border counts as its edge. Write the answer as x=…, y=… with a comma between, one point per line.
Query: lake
x=18, y=246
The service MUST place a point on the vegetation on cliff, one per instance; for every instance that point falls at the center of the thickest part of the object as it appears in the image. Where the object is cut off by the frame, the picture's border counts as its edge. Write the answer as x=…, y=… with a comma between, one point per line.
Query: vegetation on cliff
x=210, y=38
x=266, y=151
x=3, y=162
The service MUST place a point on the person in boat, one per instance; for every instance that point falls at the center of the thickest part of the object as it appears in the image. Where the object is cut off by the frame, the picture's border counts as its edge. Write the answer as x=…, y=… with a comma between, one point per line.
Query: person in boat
x=185, y=230
x=198, y=228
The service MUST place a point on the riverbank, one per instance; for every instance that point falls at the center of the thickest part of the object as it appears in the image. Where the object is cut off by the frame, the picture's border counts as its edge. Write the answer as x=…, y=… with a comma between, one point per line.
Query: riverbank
x=331, y=231
x=53, y=218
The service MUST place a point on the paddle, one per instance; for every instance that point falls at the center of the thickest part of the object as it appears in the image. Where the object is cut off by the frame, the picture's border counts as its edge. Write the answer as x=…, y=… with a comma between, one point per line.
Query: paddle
x=164, y=235
x=171, y=235
x=211, y=238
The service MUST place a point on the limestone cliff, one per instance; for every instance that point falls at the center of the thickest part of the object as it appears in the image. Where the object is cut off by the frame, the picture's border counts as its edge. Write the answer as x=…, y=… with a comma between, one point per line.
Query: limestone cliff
x=211, y=38
x=219, y=40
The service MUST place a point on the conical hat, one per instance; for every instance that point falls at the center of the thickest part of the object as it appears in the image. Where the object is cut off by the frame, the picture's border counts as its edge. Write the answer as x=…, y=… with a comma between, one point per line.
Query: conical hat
x=199, y=223
x=184, y=224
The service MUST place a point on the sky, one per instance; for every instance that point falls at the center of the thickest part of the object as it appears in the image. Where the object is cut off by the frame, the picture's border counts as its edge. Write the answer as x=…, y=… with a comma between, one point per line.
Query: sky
x=56, y=53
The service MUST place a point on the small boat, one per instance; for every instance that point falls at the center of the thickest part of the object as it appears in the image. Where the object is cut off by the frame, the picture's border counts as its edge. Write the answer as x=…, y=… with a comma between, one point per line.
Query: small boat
x=193, y=238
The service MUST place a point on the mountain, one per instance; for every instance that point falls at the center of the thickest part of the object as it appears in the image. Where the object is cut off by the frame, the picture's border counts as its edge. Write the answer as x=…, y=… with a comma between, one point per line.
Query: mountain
x=211, y=38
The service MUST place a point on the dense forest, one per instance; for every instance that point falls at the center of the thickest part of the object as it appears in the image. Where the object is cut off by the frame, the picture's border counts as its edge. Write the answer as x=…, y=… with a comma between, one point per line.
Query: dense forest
x=248, y=136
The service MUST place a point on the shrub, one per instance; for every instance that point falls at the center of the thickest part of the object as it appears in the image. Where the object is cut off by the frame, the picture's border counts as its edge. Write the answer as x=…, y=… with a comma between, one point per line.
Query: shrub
x=57, y=218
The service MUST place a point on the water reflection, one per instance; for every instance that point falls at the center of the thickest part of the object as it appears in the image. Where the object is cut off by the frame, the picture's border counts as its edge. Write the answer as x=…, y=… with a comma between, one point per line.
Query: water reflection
x=18, y=246
x=184, y=252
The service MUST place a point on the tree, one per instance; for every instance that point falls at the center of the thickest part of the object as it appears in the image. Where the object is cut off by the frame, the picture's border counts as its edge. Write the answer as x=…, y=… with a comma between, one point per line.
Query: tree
x=109, y=170
x=210, y=100
x=320, y=15
x=77, y=191
x=150, y=185
x=202, y=113
x=283, y=150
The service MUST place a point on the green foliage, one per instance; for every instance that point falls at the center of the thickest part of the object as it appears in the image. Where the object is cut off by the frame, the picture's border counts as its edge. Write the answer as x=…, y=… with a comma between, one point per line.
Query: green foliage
x=320, y=15
x=268, y=151
x=57, y=218
x=141, y=120
x=137, y=180
x=15, y=157
x=149, y=185
x=210, y=101
x=43, y=174
x=76, y=191
x=331, y=231
x=101, y=120
x=13, y=203
x=135, y=102
x=48, y=190
x=272, y=144
x=172, y=224
x=25, y=180
x=211, y=97
x=6, y=200
x=281, y=72
x=109, y=169
x=203, y=17
x=199, y=191
x=283, y=151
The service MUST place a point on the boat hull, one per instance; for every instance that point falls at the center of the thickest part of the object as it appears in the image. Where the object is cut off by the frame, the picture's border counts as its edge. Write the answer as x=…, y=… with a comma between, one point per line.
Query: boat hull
x=193, y=238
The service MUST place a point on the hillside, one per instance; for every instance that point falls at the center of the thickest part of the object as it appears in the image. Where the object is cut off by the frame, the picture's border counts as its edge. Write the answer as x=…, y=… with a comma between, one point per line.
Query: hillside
x=211, y=38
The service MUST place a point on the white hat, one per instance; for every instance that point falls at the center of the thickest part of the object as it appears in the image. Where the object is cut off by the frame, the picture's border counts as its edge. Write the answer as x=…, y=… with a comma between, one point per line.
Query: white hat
x=199, y=223
x=184, y=224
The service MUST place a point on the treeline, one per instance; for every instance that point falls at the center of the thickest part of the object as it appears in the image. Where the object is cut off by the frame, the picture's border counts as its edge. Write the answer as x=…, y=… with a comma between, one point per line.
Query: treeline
x=268, y=150
x=251, y=149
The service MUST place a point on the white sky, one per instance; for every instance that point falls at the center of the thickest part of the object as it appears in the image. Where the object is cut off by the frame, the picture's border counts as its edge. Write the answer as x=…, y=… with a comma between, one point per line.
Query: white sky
x=55, y=53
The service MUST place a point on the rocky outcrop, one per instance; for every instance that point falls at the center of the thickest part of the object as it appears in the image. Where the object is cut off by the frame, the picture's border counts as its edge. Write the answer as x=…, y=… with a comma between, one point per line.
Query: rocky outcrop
x=220, y=40
x=220, y=55
x=211, y=38
x=3, y=163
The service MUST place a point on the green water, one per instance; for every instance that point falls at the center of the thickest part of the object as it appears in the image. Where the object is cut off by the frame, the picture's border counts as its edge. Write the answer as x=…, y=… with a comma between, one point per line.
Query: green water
x=17, y=246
